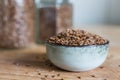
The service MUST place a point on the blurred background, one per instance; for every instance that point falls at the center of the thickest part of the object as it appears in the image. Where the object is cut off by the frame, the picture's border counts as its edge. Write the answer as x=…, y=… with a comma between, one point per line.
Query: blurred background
x=25, y=25
x=98, y=16
x=95, y=12
x=23, y=22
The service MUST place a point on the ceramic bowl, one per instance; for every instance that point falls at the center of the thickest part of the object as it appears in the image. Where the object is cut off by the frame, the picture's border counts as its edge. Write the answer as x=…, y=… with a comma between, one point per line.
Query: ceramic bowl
x=81, y=58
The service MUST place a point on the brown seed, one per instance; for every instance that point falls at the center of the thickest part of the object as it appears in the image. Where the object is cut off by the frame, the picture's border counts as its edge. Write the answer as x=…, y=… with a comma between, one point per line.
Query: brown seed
x=53, y=76
x=118, y=65
x=92, y=75
x=101, y=67
x=79, y=77
x=76, y=38
x=39, y=73
x=62, y=79
x=58, y=74
x=46, y=76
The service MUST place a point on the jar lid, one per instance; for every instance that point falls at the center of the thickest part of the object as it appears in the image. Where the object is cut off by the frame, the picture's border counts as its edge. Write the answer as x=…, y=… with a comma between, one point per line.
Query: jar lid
x=63, y=1
x=48, y=1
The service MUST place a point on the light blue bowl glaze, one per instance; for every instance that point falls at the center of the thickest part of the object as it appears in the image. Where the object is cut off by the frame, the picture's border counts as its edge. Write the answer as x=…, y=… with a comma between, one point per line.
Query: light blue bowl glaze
x=82, y=58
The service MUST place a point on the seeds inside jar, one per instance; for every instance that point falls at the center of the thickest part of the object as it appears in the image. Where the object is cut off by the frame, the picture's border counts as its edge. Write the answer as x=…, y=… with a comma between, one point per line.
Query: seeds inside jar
x=16, y=23
x=72, y=37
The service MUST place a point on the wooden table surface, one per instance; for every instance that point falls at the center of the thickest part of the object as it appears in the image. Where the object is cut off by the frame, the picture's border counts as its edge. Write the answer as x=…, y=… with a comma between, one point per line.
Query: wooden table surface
x=32, y=64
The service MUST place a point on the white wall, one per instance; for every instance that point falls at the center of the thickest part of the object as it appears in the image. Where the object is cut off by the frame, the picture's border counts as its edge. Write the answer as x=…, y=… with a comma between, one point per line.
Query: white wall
x=114, y=17
x=92, y=12
x=96, y=12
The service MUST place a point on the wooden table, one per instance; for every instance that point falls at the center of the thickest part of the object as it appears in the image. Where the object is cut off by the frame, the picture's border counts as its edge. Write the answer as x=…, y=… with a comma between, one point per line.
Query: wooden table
x=32, y=64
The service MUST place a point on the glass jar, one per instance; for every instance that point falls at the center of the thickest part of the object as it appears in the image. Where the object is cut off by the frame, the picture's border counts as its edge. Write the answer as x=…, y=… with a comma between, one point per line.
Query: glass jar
x=54, y=17
x=47, y=20
x=16, y=23
x=64, y=15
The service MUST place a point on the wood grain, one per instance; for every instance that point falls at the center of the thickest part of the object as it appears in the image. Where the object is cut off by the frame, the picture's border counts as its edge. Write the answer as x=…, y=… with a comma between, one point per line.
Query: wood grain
x=32, y=64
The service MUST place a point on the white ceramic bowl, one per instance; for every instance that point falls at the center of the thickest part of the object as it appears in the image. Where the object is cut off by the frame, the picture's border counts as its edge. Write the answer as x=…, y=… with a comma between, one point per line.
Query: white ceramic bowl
x=82, y=58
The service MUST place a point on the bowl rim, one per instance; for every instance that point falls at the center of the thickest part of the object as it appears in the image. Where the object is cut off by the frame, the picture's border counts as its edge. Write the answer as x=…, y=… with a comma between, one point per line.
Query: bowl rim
x=53, y=44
